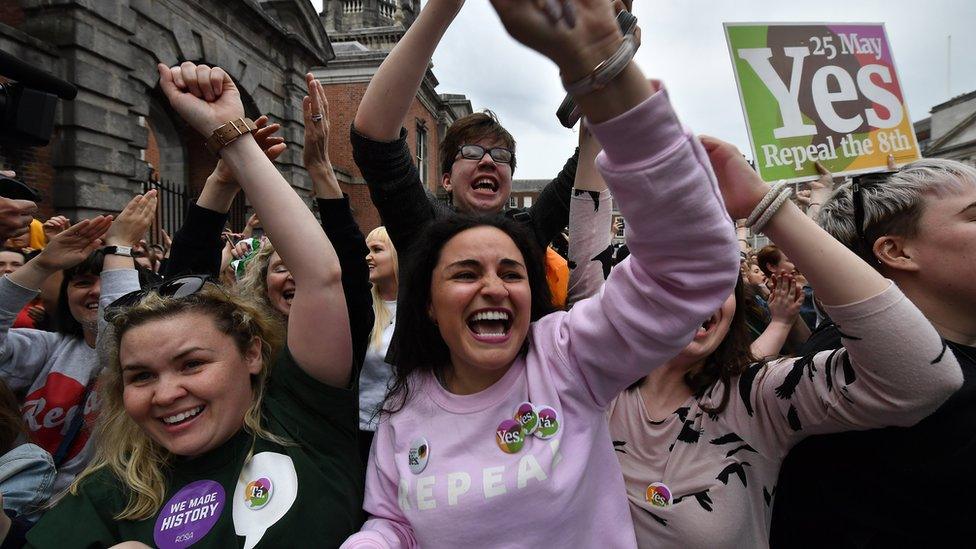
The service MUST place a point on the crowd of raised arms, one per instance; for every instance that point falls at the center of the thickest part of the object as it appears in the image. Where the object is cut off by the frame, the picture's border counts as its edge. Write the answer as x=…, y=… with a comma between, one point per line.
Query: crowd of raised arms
x=451, y=380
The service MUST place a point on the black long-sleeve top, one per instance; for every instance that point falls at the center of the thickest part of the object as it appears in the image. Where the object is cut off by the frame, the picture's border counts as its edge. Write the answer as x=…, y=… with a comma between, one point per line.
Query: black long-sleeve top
x=197, y=247
x=406, y=207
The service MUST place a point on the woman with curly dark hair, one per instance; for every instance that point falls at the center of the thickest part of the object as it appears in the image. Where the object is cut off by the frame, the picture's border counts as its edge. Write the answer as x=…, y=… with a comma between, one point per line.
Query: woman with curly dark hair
x=495, y=431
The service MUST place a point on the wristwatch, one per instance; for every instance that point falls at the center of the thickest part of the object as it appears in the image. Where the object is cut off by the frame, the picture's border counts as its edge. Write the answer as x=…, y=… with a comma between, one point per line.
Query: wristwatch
x=124, y=251
x=227, y=133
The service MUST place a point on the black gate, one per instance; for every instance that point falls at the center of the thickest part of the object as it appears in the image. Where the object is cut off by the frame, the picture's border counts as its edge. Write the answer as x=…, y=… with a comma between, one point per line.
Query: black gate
x=172, y=203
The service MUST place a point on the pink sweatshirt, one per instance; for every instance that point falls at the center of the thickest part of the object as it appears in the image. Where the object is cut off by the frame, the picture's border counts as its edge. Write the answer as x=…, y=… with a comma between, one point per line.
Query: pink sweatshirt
x=438, y=476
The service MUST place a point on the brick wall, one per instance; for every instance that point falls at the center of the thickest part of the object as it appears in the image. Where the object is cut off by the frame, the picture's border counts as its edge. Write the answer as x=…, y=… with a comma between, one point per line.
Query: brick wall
x=32, y=164
x=343, y=102
x=33, y=167
x=11, y=13
x=152, y=149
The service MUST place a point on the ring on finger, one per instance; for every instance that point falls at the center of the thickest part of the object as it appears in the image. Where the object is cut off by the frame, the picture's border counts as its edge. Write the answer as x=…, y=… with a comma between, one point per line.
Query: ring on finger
x=317, y=117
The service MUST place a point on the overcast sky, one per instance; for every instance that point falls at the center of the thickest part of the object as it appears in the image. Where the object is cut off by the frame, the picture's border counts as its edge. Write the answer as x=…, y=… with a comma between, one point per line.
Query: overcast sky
x=684, y=45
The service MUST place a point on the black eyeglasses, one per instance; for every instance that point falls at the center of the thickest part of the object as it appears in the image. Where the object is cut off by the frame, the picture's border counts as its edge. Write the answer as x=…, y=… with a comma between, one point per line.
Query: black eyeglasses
x=863, y=247
x=477, y=152
x=176, y=288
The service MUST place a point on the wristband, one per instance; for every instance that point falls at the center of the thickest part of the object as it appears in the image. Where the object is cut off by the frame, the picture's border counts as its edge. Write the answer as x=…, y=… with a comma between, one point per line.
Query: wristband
x=772, y=209
x=227, y=133
x=774, y=190
x=124, y=251
x=606, y=71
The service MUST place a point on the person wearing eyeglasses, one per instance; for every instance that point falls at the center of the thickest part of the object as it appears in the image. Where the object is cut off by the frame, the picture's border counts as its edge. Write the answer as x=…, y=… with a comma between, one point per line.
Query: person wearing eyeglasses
x=477, y=155
x=897, y=487
x=494, y=433
x=216, y=429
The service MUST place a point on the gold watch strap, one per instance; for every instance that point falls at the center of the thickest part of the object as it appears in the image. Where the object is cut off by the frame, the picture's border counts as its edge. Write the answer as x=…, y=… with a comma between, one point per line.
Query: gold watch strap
x=227, y=133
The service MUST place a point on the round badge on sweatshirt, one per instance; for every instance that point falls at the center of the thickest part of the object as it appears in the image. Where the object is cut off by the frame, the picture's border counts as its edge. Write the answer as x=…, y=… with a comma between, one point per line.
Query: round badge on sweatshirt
x=658, y=495
x=258, y=493
x=510, y=436
x=548, y=422
x=526, y=415
x=419, y=455
x=189, y=515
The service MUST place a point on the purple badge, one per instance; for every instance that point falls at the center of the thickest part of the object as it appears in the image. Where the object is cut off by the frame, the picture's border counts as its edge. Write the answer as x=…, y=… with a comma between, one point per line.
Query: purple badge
x=189, y=515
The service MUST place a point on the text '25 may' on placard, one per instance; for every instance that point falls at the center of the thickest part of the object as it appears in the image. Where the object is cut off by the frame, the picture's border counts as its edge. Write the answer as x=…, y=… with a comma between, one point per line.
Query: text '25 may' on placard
x=826, y=92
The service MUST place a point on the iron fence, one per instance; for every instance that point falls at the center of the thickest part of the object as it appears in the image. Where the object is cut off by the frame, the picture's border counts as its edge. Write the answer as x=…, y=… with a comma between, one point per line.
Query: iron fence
x=172, y=203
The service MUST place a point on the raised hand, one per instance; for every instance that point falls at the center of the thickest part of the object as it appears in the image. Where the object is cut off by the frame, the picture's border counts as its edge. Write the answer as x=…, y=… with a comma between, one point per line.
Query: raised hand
x=167, y=242
x=785, y=299
x=252, y=224
x=272, y=145
x=55, y=225
x=73, y=245
x=742, y=189
x=206, y=98
x=576, y=34
x=15, y=215
x=241, y=249
x=132, y=223
x=315, y=107
x=37, y=314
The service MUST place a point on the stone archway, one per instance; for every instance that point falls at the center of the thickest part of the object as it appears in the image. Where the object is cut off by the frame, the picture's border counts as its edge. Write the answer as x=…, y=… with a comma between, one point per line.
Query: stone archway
x=165, y=150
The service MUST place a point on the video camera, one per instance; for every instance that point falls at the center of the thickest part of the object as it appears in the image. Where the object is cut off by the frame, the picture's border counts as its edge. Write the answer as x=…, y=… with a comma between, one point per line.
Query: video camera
x=27, y=106
x=28, y=102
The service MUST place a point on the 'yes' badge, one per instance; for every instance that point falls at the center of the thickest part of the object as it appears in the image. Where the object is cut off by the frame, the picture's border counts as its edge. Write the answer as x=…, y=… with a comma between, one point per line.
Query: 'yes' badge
x=510, y=436
x=658, y=495
x=526, y=415
x=418, y=455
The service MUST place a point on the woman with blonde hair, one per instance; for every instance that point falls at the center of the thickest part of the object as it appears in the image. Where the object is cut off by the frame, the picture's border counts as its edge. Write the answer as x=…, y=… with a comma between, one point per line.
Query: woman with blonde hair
x=376, y=374
x=215, y=434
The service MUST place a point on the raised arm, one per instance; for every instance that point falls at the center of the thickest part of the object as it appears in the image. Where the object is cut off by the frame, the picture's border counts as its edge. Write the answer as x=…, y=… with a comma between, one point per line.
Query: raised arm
x=839, y=276
x=337, y=221
x=197, y=245
x=119, y=276
x=679, y=271
x=785, y=300
x=589, y=223
x=394, y=86
x=24, y=352
x=894, y=358
x=318, y=324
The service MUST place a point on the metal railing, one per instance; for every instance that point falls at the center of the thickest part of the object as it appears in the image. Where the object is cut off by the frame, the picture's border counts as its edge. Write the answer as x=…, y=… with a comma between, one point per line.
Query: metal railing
x=174, y=200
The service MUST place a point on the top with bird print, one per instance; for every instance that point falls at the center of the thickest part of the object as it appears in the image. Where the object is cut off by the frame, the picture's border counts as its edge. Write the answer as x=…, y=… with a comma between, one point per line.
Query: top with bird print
x=696, y=479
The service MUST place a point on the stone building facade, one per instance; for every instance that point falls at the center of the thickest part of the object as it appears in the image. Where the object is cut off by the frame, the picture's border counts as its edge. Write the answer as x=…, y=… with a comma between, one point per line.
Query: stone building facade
x=950, y=130
x=119, y=128
x=363, y=32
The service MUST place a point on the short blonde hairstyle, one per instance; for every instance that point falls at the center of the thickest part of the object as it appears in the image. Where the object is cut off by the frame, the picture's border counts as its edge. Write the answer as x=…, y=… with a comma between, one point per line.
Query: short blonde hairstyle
x=894, y=206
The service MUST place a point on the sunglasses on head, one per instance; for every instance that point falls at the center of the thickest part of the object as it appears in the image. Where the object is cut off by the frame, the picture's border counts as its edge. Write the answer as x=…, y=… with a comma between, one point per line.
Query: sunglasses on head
x=863, y=247
x=477, y=152
x=175, y=288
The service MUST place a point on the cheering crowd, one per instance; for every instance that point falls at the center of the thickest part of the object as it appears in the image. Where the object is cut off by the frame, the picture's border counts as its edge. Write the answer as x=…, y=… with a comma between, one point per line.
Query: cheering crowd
x=464, y=377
